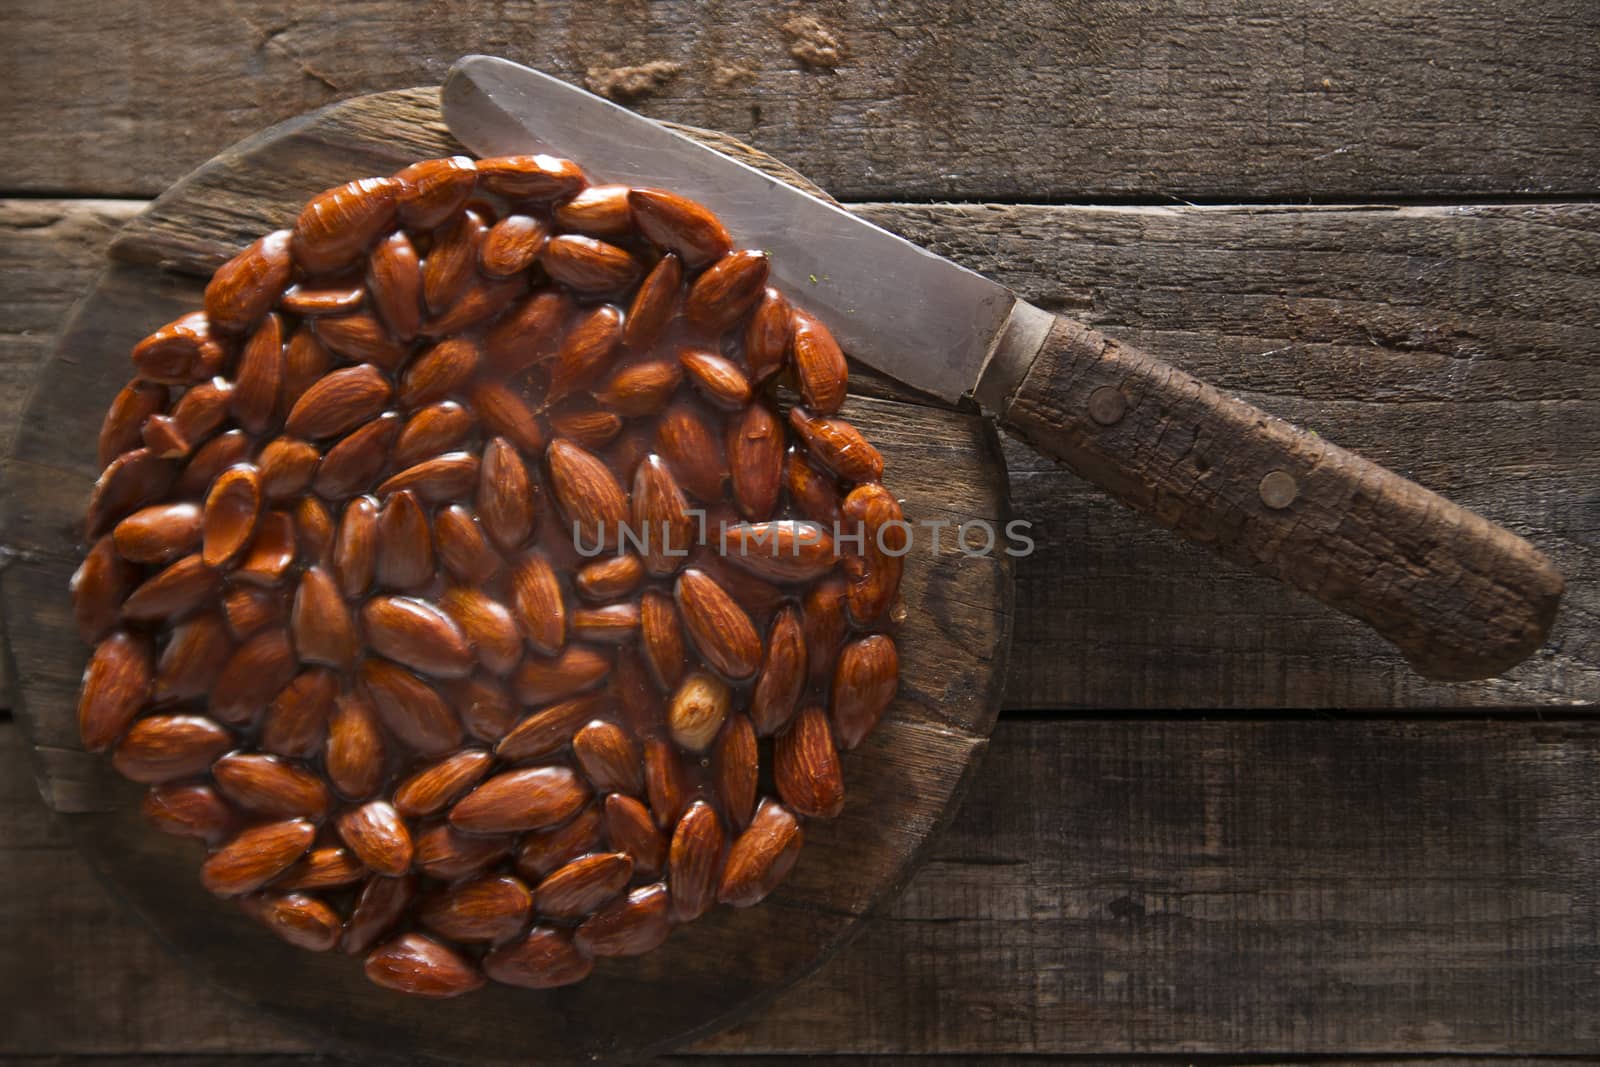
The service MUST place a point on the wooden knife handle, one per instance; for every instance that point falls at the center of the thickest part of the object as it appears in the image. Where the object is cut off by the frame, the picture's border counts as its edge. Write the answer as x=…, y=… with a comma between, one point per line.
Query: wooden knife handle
x=1460, y=596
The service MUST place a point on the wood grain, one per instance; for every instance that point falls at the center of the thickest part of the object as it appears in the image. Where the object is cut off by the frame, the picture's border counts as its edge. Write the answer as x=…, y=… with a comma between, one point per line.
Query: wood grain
x=1179, y=888
x=1023, y=101
x=1455, y=345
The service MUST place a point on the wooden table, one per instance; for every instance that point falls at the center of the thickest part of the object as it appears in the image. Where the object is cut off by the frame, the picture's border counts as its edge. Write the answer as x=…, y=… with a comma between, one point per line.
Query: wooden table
x=1377, y=219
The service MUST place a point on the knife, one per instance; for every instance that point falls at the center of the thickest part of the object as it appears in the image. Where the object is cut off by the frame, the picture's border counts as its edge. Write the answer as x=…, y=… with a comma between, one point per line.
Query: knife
x=1461, y=597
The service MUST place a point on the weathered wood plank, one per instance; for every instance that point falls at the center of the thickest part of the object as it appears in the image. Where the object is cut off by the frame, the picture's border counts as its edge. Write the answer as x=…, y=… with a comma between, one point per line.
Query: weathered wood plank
x=896, y=98
x=1457, y=345
x=1325, y=887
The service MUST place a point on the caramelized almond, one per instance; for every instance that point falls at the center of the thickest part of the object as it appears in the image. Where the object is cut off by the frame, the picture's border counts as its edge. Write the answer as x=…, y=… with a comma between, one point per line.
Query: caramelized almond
x=120, y=431
x=417, y=634
x=115, y=685
x=680, y=225
x=726, y=290
x=589, y=266
x=245, y=288
x=336, y=226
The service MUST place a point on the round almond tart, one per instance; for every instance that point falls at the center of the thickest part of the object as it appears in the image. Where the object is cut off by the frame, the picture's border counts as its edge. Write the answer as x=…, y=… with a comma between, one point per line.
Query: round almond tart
x=457, y=576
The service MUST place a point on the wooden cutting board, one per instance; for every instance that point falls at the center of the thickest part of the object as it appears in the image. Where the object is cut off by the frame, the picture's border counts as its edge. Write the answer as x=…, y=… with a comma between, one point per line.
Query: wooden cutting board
x=902, y=784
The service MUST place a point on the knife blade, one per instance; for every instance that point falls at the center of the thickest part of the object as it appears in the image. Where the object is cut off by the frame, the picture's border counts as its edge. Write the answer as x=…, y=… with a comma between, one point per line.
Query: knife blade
x=892, y=304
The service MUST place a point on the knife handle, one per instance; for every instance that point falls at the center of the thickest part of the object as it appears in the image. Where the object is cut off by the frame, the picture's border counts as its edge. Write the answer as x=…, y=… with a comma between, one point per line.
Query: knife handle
x=1461, y=597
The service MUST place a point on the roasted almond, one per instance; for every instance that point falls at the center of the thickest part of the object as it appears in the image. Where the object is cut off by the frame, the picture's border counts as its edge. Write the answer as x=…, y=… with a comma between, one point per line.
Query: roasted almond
x=463, y=550
x=677, y=224
x=490, y=908
x=245, y=288
x=640, y=389
x=433, y=190
x=780, y=551
x=588, y=426
x=540, y=679
x=488, y=625
x=339, y=402
x=818, y=365
x=536, y=599
x=726, y=290
x=805, y=766
x=662, y=638
x=761, y=856
x=162, y=748
x=528, y=333
x=159, y=533
x=422, y=967
x=307, y=302
x=545, y=958
x=687, y=443
x=484, y=705
x=417, y=634
x=719, y=628
x=735, y=768
x=377, y=834
x=599, y=211
x=609, y=758
x=504, y=413
x=181, y=352
x=378, y=908
x=162, y=435
x=767, y=337
x=613, y=624
x=631, y=926
x=269, y=786
x=838, y=446
x=431, y=431
x=719, y=380
x=446, y=853
x=531, y=177
x=586, y=351
x=699, y=706
x=483, y=299
x=313, y=529
x=582, y=886
x=875, y=569
x=513, y=244
x=755, y=461
x=438, y=785
x=653, y=304
x=609, y=578
x=394, y=278
x=305, y=361
x=256, y=856
x=252, y=676
x=287, y=466
x=448, y=477
x=296, y=722
x=524, y=799
x=174, y=592
x=336, y=226
x=506, y=500
x=823, y=620
x=664, y=782
x=116, y=684
x=452, y=260
x=120, y=432
x=543, y=851
x=629, y=829
x=355, y=758
x=412, y=710
x=405, y=551
x=864, y=684
x=550, y=728
x=299, y=918
x=644, y=708
x=589, y=266
x=210, y=460
x=270, y=554
x=193, y=660
x=694, y=862
x=187, y=810
x=232, y=508
x=361, y=338
x=783, y=674
x=661, y=519
x=323, y=630
x=444, y=369
x=99, y=586
x=355, y=548
x=202, y=409
x=131, y=481
x=587, y=493
x=249, y=610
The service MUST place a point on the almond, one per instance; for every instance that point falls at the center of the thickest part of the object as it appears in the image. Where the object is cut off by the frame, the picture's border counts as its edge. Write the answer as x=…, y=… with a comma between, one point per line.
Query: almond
x=719, y=380
x=296, y=722
x=187, y=810
x=644, y=708
x=586, y=351
x=305, y=361
x=629, y=829
x=545, y=958
x=422, y=967
x=543, y=851
x=323, y=630
x=116, y=684
x=176, y=591
x=181, y=352
x=162, y=435
x=355, y=549
x=446, y=853
x=210, y=460
x=159, y=533
x=664, y=782
x=587, y=494
x=699, y=706
x=512, y=245
x=838, y=446
x=694, y=862
x=412, y=710
x=875, y=569
x=161, y=748
x=640, y=389
x=609, y=758
x=550, y=728
x=761, y=856
x=687, y=443
x=394, y=278
x=452, y=260
x=249, y=610
x=354, y=463
x=610, y=578
x=599, y=211
x=589, y=266
x=433, y=190
x=508, y=415
x=506, y=500
x=582, y=886
x=766, y=338
x=539, y=680
x=268, y=786
x=523, y=799
x=677, y=224
x=484, y=705
x=300, y=919
x=252, y=676
x=444, y=369
x=272, y=551
x=137, y=401
x=823, y=620
x=256, y=856
x=432, y=430
x=378, y=908
x=755, y=461
x=631, y=926
x=805, y=766
x=783, y=674
x=438, y=785
x=245, y=288
x=653, y=304
x=719, y=628
x=378, y=836
x=735, y=768
x=338, y=403
x=307, y=302
x=482, y=300
x=661, y=518
x=864, y=683
x=463, y=551
x=726, y=290
x=818, y=364
x=447, y=477
x=587, y=426
x=313, y=529
x=287, y=466
x=488, y=626
x=614, y=624
x=417, y=634
x=536, y=593
x=531, y=177
x=781, y=551
x=131, y=481
x=99, y=586
x=528, y=333
x=362, y=339
x=193, y=660
x=202, y=409
x=662, y=638
x=355, y=760
x=323, y=868
x=336, y=226
x=491, y=908
x=405, y=551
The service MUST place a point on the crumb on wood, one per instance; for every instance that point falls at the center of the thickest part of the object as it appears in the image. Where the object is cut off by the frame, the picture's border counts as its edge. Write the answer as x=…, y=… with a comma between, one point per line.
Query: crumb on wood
x=631, y=83
x=730, y=75
x=812, y=43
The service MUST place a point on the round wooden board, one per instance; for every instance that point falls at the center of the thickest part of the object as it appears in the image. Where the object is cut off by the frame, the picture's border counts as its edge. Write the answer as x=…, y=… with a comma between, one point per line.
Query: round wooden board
x=902, y=784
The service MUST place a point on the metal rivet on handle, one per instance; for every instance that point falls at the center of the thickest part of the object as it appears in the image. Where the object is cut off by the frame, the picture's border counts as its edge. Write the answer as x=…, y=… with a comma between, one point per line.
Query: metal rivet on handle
x=1278, y=489
x=1107, y=405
